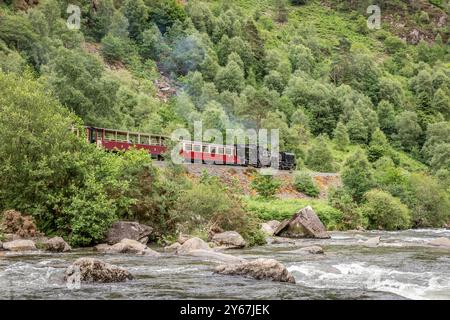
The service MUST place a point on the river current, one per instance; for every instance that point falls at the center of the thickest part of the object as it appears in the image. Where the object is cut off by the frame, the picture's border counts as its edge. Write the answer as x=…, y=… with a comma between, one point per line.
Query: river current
x=403, y=266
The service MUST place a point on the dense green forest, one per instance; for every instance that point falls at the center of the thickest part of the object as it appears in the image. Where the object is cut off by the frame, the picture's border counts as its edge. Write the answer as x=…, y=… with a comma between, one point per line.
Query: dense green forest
x=373, y=105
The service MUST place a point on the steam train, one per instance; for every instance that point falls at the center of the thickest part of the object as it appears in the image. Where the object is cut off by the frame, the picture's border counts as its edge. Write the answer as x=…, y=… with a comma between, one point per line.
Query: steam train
x=190, y=151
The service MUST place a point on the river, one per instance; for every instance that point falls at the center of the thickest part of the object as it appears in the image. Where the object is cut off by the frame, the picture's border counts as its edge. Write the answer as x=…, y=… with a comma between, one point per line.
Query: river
x=401, y=267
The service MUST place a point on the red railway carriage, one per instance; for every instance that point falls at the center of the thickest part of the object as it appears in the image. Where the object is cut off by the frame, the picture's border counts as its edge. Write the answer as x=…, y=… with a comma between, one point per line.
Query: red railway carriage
x=115, y=140
x=193, y=151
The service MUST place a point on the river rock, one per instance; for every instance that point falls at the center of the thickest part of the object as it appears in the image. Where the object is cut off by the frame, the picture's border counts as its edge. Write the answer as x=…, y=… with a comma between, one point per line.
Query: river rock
x=173, y=247
x=372, y=242
x=19, y=245
x=182, y=238
x=260, y=269
x=309, y=250
x=128, y=230
x=192, y=244
x=229, y=239
x=280, y=240
x=127, y=246
x=56, y=244
x=441, y=242
x=269, y=227
x=214, y=256
x=95, y=270
x=304, y=223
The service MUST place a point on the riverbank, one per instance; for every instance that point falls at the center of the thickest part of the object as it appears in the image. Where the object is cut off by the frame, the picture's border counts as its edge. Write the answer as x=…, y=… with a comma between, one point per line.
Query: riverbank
x=402, y=266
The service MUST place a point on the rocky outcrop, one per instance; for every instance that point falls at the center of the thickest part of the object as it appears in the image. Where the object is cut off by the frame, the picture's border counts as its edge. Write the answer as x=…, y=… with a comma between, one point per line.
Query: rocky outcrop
x=309, y=250
x=260, y=269
x=19, y=245
x=229, y=239
x=95, y=270
x=214, y=256
x=192, y=244
x=372, y=242
x=127, y=246
x=56, y=244
x=440, y=242
x=305, y=223
x=182, y=238
x=269, y=227
x=173, y=247
x=128, y=230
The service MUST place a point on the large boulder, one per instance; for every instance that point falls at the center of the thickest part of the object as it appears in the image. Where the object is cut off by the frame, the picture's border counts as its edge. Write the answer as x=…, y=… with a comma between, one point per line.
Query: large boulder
x=182, y=238
x=372, y=242
x=261, y=269
x=269, y=227
x=127, y=246
x=192, y=244
x=309, y=250
x=95, y=270
x=440, y=242
x=56, y=244
x=173, y=247
x=19, y=245
x=304, y=223
x=229, y=239
x=214, y=256
x=128, y=230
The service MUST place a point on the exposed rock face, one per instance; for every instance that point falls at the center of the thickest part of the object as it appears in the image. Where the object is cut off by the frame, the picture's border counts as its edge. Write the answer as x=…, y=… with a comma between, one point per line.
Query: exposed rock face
x=229, y=239
x=193, y=244
x=95, y=270
x=128, y=230
x=19, y=245
x=173, y=247
x=309, y=250
x=127, y=246
x=260, y=269
x=56, y=244
x=440, y=242
x=214, y=256
x=270, y=227
x=372, y=242
x=305, y=223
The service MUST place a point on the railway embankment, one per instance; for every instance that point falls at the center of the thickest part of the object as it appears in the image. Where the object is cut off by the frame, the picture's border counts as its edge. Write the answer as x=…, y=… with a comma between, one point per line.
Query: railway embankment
x=241, y=177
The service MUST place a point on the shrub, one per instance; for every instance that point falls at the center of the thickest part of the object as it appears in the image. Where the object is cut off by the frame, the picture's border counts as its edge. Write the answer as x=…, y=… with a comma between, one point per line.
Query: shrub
x=280, y=209
x=320, y=157
x=265, y=185
x=357, y=175
x=351, y=215
x=430, y=204
x=14, y=222
x=208, y=205
x=303, y=182
x=383, y=211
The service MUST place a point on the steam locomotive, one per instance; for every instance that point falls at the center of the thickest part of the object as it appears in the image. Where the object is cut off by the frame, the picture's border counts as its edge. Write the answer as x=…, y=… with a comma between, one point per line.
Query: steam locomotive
x=191, y=151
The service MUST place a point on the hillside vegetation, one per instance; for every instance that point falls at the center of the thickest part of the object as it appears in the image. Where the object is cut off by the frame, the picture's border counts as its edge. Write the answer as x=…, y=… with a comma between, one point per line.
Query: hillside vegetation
x=373, y=105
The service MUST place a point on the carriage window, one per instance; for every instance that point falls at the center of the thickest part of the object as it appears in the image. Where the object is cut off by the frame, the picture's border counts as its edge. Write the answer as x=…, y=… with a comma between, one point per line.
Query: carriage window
x=121, y=136
x=145, y=139
x=220, y=150
x=154, y=141
x=110, y=135
x=197, y=148
x=213, y=150
x=188, y=147
x=229, y=151
x=133, y=138
x=205, y=149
